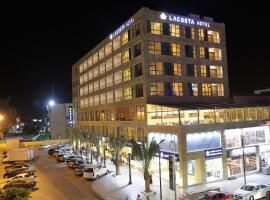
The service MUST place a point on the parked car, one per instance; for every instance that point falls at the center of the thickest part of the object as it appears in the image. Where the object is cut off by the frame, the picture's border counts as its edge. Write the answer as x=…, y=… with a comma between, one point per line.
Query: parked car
x=22, y=166
x=79, y=169
x=15, y=172
x=215, y=195
x=27, y=183
x=60, y=158
x=44, y=146
x=95, y=171
x=22, y=176
x=19, y=163
x=253, y=191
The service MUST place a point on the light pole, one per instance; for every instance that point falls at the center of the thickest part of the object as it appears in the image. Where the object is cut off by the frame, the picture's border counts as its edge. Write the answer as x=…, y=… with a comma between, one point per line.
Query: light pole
x=51, y=103
x=104, y=156
x=244, y=161
x=160, y=187
x=129, y=169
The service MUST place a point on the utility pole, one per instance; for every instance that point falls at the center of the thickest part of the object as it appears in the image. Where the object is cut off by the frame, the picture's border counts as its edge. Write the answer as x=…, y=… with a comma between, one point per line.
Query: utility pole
x=244, y=160
x=129, y=168
x=160, y=187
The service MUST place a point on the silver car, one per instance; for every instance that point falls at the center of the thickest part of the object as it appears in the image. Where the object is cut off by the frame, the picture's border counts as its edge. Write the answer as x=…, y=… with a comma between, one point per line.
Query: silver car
x=253, y=191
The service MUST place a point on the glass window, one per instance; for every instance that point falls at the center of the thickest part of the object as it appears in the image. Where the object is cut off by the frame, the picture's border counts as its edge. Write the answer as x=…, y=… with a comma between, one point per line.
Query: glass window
x=90, y=87
x=137, y=50
x=189, y=32
x=95, y=58
x=117, y=60
x=216, y=71
x=214, y=170
x=91, y=101
x=175, y=49
x=191, y=70
x=233, y=138
x=237, y=114
x=118, y=77
x=126, y=55
x=109, y=64
x=190, y=51
x=102, y=98
x=116, y=43
x=128, y=93
x=102, y=84
x=203, y=71
x=177, y=89
x=136, y=30
x=85, y=77
x=138, y=70
x=101, y=53
x=175, y=30
x=154, y=48
x=96, y=85
x=193, y=89
x=108, y=48
x=157, y=89
x=215, y=54
x=90, y=74
x=203, y=52
x=213, y=36
x=90, y=61
x=96, y=72
x=201, y=34
x=156, y=28
x=139, y=90
x=156, y=68
x=206, y=116
x=222, y=115
x=96, y=100
x=127, y=74
x=189, y=117
x=109, y=80
x=177, y=69
x=118, y=93
x=217, y=89
x=206, y=89
x=125, y=37
x=140, y=112
x=81, y=68
x=102, y=68
x=110, y=97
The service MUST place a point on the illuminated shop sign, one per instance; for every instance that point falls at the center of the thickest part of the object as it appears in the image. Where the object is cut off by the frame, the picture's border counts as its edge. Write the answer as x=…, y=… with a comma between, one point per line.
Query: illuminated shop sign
x=165, y=155
x=70, y=116
x=264, y=148
x=184, y=20
x=213, y=152
x=121, y=28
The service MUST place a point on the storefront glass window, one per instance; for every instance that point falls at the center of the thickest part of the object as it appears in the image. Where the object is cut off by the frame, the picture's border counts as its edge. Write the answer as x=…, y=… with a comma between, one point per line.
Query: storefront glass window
x=214, y=169
x=207, y=116
x=237, y=114
x=222, y=115
x=189, y=117
x=251, y=163
x=250, y=113
x=194, y=171
x=233, y=138
x=234, y=166
x=255, y=135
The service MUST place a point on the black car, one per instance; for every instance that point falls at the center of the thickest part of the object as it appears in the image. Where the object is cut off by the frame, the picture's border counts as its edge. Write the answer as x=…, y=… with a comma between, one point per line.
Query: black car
x=60, y=158
x=19, y=166
x=76, y=164
x=51, y=151
x=15, y=172
x=20, y=183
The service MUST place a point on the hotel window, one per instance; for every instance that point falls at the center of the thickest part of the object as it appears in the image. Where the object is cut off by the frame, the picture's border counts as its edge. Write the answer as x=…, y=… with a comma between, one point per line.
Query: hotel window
x=192, y=70
x=128, y=93
x=96, y=100
x=206, y=89
x=138, y=70
x=101, y=53
x=204, y=71
x=154, y=48
x=91, y=101
x=90, y=61
x=190, y=51
x=85, y=77
x=85, y=89
x=81, y=79
x=175, y=49
x=217, y=89
x=168, y=69
x=102, y=98
x=125, y=37
x=102, y=83
x=109, y=80
x=81, y=91
x=177, y=89
x=193, y=89
x=81, y=68
x=189, y=32
x=118, y=94
x=213, y=36
x=102, y=68
x=109, y=96
x=108, y=48
x=156, y=68
x=166, y=29
x=127, y=74
x=155, y=28
x=166, y=48
x=116, y=43
x=90, y=74
x=202, y=34
x=137, y=50
x=109, y=64
x=85, y=65
x=215, y=54
x=118, y=77
x=90, y=86
x=96, y=72
x=96, y=85
x=95, y=58
x=177, y=69
x=139, y=90
x=117, y=60
x=175, y=30
x=140, y=112
x=126, y=55
x=204, y=53
x=136, y=30
x=216, y=71
x=157, y=89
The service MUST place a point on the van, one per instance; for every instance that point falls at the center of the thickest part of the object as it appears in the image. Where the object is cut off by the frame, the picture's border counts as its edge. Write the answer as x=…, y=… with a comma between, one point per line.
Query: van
x=95, y=171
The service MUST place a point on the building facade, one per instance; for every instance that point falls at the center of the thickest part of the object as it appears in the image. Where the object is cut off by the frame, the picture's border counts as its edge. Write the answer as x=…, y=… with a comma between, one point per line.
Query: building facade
x=165, y=76
x=60, y=118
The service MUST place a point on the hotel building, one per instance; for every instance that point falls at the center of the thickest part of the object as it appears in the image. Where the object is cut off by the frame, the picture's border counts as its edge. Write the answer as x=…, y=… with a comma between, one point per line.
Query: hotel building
x=165, y=76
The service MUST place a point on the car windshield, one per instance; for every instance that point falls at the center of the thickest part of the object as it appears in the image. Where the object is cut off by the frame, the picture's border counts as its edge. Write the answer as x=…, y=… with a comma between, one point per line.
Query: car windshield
x=89, y=170
x=247, y=187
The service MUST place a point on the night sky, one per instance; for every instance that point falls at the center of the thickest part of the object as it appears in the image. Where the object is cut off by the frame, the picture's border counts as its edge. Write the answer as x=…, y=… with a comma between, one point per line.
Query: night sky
x=39, y=44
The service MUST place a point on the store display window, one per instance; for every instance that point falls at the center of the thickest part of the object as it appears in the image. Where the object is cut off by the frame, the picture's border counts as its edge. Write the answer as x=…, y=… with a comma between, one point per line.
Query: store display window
x=214, y=170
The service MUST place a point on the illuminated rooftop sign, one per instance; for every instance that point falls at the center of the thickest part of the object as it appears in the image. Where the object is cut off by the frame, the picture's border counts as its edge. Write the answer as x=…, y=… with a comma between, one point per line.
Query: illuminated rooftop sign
x=121, y=28
x=184, y=20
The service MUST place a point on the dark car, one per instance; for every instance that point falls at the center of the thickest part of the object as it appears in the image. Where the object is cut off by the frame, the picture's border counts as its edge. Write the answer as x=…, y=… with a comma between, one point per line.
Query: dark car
x=14, y=172
x=20, y=183
x=79, y=170
x=76, y=163
x=60, y=158
x=17, y=164
x=51, y=151
x=20, y=166
x=215, y=195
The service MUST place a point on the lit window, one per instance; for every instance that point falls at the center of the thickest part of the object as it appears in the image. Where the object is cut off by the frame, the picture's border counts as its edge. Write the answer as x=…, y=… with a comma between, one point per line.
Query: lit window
x=127, y=74
x=109, y=64
x=102, y=83
x=118, y=77
x=96, y=100
x=109, y=80
x=217, y=89
x=125, y=37
x=117, y=60
x=140, y=112
x=157, y=89
x=213, y=36
x=96, y=72
x=174, y=30
x=193, y=89
x=116, y=43
x=216, y=71
x=95, y=58
x=175, y=49
x=202, y=52
x=90, y=61
x=101, y=53
x=203, y=71
x=96, y=85
x=156, y=68
x=201, y=34
x=206, y=89
x=118, y=93
x=90, y=74
x=177, y=69
x=103, y=98
x=126, y=55
x=154, y=48
x=177, y=89
x=215, y=54
x=90, y=87
x=108, y=48
x=109, y=96
x=156, y=28
x=102, y=68
x=81, y=68
x=128, y=93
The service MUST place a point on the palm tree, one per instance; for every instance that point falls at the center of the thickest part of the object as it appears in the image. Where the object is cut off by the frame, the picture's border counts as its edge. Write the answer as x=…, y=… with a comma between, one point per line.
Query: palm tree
x=144, y=153
x=117, y=144
x=95, y=140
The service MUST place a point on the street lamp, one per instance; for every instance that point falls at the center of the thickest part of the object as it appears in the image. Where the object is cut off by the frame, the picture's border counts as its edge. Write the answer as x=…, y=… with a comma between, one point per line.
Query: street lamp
x=129, y=169
x=50, y=104
x=244, y=161
x=104, y=155
x=159, y=164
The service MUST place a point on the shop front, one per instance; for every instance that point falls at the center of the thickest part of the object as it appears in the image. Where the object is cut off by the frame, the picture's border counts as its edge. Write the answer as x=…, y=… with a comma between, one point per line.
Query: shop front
x=213, y=165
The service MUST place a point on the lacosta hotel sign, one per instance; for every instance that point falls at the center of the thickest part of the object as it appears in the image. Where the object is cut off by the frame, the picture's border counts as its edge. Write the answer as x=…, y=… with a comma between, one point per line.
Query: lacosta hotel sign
x=184, y=20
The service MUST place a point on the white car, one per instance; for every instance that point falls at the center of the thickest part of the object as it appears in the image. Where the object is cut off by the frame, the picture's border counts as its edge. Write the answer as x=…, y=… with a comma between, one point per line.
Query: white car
x=22, y=176
x=95, y=171
x=44, y=146
x=253, y=191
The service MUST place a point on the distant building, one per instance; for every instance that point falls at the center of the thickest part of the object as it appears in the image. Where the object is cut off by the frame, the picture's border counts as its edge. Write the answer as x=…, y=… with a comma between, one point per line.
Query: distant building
x=263, y=91
x=60, y=118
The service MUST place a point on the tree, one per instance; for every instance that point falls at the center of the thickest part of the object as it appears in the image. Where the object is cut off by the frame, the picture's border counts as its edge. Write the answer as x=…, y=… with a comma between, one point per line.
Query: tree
x=74, y=136
x=144, y=153
x=9, y=114
x=95, y=140
x=117, y=144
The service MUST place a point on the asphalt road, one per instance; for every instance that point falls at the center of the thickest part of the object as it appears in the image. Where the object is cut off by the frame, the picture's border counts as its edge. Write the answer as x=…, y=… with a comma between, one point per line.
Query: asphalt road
x=55, y=181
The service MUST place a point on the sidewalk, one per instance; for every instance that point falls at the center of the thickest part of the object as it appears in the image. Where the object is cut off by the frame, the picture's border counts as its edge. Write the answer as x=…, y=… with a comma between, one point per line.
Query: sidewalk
x=116, y=187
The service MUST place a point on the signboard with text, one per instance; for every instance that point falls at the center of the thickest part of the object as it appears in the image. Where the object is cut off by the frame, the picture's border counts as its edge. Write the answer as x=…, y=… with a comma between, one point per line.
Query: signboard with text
x=213, y=152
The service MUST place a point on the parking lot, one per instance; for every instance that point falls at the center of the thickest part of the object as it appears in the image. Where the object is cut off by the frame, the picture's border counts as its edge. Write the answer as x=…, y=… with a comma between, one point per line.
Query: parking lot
x=56, y=181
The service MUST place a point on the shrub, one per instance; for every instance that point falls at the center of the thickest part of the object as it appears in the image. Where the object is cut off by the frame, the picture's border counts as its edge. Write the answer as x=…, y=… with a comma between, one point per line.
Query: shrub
x=16, y=194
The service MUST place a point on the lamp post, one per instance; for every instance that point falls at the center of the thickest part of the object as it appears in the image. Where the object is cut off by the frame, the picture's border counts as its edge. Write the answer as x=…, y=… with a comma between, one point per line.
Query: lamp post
x=129, y=169
x=50, y=105
x=104, y=155
x=160, y=187
x=244, y=161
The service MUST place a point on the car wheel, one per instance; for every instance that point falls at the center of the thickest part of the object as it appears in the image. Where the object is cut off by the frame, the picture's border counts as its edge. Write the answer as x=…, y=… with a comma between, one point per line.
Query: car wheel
x=97, y=177
x=251, y=197
x=268, y=195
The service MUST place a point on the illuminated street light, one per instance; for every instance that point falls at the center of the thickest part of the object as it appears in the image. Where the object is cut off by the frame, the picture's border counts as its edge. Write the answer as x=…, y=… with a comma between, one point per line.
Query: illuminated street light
x=51, y=103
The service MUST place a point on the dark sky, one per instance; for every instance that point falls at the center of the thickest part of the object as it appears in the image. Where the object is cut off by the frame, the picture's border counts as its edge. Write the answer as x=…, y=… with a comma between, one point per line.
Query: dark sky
x=39, y=44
